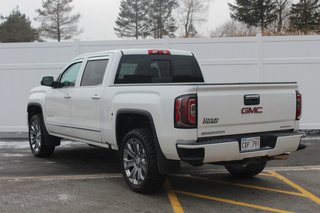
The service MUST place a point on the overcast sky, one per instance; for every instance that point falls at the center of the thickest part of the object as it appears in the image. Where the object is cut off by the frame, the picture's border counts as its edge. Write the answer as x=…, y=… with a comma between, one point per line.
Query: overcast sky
x=98, y=16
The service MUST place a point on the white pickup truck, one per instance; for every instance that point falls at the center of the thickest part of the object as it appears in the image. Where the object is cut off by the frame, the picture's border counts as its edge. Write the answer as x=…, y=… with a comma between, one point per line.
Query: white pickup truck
x=155, y=107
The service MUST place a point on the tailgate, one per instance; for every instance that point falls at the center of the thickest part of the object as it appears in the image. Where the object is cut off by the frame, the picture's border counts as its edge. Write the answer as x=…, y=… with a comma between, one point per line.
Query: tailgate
x=245, y=108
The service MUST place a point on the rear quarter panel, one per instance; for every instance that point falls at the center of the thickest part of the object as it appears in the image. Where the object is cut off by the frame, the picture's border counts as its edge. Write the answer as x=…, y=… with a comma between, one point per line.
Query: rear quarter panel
x=158, y=100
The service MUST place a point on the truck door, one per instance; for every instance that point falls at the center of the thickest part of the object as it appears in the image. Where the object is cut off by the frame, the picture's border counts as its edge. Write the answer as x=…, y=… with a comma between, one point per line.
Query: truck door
x=86, y=102
x=58, y=102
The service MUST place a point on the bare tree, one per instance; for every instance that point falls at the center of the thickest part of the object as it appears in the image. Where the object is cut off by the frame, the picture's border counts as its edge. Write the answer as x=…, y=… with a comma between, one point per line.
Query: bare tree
x=192, y=13
x=56, y=20
x=233, y=28
x=283, y=13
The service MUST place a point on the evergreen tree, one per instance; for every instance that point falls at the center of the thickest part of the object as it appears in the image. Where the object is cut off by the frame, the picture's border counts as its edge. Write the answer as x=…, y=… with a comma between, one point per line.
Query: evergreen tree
x=17, y=28
x=57, y=21
x=132, y=19
x=256, y=13
x=305, y=16
x=161, y=20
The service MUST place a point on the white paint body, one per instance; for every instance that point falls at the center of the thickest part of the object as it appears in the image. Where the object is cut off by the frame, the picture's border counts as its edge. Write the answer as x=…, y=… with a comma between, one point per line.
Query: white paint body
x=93, y=121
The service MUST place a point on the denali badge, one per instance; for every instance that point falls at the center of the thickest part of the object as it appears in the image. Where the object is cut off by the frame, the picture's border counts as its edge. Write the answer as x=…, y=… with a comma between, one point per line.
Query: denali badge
x=252, y=110
x=210, y=120
x=214, y=133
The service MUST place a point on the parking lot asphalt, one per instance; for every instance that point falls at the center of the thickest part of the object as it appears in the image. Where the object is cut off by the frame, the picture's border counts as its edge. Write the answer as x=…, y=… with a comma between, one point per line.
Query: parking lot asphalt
x=81, y=178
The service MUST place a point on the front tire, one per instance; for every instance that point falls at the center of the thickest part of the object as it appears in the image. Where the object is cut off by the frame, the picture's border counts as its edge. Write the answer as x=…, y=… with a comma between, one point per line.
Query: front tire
x=138, y=161
x=246, y=170
x=39, y=138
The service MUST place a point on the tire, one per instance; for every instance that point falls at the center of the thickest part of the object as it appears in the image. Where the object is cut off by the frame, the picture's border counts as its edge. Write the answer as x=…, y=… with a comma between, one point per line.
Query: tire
x=138, y=161
x=39, y=139
x=246, y=170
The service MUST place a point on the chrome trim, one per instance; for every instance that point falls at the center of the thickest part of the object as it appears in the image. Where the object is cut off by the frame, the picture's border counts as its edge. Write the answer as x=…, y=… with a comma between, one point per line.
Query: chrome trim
x=74, y=127
x=97, y=58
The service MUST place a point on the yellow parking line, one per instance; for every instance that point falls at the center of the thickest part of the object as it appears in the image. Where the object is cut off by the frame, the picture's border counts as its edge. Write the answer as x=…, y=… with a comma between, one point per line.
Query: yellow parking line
x=177, y=208
x=250, y=186
x=232, y=202
x=297, y=187
x=263, y=188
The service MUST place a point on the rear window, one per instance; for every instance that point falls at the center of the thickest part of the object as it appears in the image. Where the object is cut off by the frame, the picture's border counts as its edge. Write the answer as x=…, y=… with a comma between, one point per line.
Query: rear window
x=158, y=69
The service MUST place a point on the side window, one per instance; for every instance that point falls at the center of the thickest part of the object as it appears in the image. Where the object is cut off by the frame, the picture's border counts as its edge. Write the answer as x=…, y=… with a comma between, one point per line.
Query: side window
x=69, y=77
x=94, y=72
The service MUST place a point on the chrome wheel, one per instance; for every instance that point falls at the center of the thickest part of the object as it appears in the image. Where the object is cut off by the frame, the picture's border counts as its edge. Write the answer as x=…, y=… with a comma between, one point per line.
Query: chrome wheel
x=35, y=137
x=135, y=161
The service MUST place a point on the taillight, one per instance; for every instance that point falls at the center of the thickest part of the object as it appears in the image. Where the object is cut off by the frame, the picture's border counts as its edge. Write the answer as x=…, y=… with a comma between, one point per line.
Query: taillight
x=159, y=52
x=298, y=105
x=185, y=111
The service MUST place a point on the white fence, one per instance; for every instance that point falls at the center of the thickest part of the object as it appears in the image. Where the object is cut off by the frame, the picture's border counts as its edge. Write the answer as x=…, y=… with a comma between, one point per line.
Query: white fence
x=247, y=59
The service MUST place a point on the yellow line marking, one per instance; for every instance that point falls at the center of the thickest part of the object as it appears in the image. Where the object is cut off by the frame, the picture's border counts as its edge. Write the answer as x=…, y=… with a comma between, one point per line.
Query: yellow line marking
x=250, y=186
x=263, y=188
x=232, y=202
x=297, y=187
x=176, y=206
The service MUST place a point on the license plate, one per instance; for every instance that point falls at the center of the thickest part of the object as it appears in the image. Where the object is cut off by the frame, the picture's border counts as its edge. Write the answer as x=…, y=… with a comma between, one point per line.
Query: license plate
x=250, y=144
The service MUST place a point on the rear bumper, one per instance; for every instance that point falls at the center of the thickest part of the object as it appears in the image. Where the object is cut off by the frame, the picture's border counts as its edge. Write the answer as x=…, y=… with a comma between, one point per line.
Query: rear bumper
x=227, y=149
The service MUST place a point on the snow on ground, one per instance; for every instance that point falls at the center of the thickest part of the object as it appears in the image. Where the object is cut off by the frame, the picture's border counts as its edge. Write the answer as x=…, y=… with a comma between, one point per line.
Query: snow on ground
x=25, y=144
x=7, y=155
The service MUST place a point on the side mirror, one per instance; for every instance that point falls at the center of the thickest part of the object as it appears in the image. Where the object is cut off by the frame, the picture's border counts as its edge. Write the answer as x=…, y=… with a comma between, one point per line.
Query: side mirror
x=47, y=81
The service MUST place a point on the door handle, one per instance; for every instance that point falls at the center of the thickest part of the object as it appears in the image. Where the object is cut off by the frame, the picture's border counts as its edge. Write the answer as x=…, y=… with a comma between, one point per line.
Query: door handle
x=67, y=96
x=95, y=97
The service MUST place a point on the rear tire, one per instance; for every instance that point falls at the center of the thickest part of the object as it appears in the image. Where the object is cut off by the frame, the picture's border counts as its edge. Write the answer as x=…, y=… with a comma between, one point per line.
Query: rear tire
x=39, y=139
x=246, y=170
x=138, y=161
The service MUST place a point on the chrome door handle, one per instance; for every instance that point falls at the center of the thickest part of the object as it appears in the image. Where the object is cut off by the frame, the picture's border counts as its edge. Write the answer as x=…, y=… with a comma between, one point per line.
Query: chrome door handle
x=67, y=96
x=95, y=97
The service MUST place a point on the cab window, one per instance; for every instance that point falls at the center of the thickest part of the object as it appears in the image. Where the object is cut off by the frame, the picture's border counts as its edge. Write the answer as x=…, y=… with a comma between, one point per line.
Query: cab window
x=69, y=77
x=94, y=72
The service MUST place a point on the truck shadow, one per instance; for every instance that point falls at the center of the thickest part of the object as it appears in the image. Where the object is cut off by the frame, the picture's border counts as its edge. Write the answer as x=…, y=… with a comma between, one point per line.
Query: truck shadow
x=86, y=159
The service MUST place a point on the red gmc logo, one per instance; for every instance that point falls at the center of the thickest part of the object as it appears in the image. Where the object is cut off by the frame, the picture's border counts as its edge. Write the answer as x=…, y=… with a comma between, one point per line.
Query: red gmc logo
x=251, y=110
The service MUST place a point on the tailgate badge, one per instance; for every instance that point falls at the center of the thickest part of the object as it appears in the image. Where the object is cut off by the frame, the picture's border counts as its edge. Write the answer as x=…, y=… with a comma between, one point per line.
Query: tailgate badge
x=252, y=110
x=210, y=120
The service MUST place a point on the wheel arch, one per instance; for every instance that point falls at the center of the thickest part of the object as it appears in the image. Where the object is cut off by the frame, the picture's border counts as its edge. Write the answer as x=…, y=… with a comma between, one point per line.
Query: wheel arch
x=124, y=122
x=143, y=119
x=33, y=109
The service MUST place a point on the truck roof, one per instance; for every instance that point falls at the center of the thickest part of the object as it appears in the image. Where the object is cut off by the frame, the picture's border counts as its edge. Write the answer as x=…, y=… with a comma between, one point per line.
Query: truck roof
x=138, y=52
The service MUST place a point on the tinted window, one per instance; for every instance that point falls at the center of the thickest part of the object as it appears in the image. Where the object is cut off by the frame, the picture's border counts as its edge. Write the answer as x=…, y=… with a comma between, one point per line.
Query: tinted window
x=158, y=69
x=94, y=72
x=127, y=69
x=70, y=75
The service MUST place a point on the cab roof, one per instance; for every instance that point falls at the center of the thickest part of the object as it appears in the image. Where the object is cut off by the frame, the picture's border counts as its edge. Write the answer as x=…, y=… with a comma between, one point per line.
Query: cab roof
x=149, y=51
